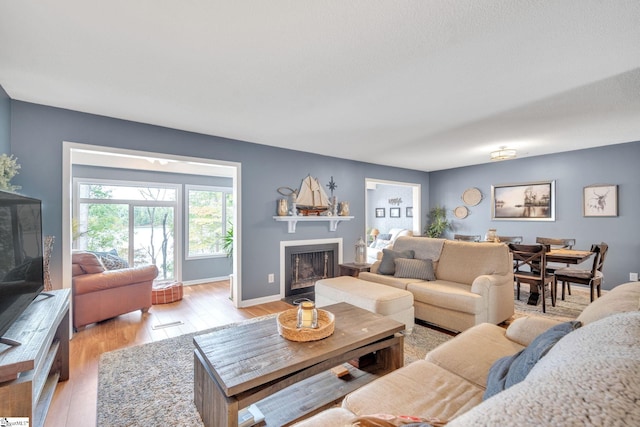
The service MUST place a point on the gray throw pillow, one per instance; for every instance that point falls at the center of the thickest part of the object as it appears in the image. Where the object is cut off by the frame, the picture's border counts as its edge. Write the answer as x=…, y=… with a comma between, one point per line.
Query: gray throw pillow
x=415, y=268
x=510, y=370
x=388, y=264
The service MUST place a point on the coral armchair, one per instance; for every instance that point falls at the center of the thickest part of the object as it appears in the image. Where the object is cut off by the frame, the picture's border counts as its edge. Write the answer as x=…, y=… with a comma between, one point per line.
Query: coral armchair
x=100, y=294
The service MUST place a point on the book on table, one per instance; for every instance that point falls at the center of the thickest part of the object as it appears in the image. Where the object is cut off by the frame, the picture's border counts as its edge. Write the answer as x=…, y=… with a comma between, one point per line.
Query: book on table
x=250, y=416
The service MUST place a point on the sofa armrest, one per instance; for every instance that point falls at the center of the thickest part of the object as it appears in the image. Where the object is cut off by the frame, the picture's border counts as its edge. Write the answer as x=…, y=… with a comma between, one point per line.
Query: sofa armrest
x=524, y=330
x=482, y=284
x=113, y=279
x=374, y=267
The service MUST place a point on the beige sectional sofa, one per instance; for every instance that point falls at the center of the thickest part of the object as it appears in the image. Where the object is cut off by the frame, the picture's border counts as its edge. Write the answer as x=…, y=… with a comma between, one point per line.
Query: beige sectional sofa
x=473, y=282
x=591, y=376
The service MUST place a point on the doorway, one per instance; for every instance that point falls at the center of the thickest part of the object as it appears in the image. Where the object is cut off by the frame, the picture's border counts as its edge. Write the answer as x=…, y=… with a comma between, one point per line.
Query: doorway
x=392, y=204
x=82, y=154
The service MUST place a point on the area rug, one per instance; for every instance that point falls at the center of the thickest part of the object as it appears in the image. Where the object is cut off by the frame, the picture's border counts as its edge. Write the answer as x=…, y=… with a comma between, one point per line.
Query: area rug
x=152, y=384
x=565, y=310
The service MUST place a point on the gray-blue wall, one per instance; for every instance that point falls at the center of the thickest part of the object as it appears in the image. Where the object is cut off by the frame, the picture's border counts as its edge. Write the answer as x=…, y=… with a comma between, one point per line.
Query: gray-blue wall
x=572, y=171
x=37, y=133
x=379, y=198
x=5, y=121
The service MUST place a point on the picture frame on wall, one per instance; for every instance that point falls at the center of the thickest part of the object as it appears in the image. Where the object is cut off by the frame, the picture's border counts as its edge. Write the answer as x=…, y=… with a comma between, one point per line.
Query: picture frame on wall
x=600, y=200
x=394, y=212
x=380, y=212
x=409, y=211
x=529, y=201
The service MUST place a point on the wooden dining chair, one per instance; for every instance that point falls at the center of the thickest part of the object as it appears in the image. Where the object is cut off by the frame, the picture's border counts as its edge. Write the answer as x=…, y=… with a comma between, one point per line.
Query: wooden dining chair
x=554, y=243
x=529, y=266
x=466, y=237
x=510, y=239
x=593, y=278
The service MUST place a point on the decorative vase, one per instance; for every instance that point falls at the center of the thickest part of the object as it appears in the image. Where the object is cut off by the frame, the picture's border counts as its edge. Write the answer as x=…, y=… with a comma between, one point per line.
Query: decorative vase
x=361, y=252
x=283, y=207
x=344, y=209
x=491, y=235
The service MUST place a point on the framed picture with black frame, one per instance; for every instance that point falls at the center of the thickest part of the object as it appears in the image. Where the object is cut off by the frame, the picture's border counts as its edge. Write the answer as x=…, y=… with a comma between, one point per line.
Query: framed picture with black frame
x=409, y=211
x=529, y=201
x=394, y=212
x=600, y=200
x=380, y=212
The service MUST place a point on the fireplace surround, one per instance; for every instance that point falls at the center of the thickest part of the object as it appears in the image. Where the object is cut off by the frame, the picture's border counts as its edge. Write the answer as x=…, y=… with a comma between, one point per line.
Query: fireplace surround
x=303, y=262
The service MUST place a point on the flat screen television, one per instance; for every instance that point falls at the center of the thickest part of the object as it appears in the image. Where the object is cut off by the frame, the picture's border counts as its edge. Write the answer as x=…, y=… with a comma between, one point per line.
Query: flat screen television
x=21, y=261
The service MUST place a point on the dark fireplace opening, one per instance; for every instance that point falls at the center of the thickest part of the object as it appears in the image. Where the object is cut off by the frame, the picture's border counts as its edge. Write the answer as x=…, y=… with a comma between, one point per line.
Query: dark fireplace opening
x=304, y=265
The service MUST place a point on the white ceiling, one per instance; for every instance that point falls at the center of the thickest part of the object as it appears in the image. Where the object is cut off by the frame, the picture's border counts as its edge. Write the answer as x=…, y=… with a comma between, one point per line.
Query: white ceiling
x=424, y=85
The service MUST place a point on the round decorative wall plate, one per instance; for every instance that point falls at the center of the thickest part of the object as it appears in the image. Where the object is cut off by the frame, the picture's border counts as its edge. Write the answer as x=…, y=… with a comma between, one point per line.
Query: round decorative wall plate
x=472, y=196
x=461, y=212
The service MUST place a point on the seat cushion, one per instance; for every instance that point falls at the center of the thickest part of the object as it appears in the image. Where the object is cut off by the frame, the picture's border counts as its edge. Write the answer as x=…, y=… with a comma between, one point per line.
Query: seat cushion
x=577, y=273
x=449, y=295
x=472, y=353
x=420, y=389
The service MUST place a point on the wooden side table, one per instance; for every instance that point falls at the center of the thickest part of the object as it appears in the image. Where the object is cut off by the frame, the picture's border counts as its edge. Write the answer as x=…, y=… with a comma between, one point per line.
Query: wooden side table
x=353, y=269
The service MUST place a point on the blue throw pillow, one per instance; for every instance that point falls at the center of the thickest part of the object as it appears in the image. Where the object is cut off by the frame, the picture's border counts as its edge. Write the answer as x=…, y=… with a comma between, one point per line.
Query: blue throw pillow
x=510, y=370
x=388, y=261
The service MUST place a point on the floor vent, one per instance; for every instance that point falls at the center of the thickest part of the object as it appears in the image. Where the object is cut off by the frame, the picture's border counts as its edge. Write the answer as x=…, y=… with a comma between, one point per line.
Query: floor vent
x=168, y=325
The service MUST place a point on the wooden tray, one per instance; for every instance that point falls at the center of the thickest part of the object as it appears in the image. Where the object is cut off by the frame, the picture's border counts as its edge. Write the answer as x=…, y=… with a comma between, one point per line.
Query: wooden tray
x=287, y=326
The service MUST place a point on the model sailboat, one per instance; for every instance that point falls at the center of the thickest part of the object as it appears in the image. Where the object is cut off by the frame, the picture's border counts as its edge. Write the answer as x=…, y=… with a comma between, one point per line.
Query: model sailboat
x=312, y=199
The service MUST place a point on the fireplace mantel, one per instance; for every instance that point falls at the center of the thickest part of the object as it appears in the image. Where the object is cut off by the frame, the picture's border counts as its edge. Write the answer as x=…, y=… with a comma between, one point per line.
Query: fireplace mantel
x=293, y=220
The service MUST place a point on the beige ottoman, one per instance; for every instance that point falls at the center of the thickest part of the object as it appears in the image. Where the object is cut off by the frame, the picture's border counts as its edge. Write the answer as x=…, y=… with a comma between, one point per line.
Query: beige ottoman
x=382, y=299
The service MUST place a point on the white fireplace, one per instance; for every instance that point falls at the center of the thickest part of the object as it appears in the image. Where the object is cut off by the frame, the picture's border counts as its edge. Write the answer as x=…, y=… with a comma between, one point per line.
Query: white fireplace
x=303, y=262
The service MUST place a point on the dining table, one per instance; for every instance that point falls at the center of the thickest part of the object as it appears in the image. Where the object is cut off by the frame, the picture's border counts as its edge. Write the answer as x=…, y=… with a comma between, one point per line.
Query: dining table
x=568, y=256
x=564, y=256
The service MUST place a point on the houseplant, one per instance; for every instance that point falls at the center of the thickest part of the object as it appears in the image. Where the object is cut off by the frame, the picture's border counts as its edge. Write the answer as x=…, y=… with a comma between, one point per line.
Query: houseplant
x=227, y=241
x=8, y=169
x=437, y=222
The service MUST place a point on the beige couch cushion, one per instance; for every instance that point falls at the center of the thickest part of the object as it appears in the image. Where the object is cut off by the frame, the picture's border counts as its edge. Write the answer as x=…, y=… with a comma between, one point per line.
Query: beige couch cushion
x=449, y=295
x=590, y=377
x=396, y=282
x=462, y=262
x=330, y=417
x=622, y=298
x=420, y=388
x=423, y=248
x=471, y=354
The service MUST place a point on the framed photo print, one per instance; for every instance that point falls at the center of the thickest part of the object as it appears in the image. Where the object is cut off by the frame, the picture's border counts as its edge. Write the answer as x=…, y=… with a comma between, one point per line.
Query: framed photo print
x=410, y=212
x=394, y=212
x=530, y=201
x=380, y=213
x=600, y=200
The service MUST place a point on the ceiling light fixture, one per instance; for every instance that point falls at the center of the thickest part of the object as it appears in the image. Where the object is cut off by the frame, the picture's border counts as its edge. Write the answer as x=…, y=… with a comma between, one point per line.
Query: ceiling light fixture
x=503, y=153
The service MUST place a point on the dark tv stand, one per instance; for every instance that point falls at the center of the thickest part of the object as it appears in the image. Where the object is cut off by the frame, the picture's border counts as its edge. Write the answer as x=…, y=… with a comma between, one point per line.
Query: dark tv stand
x=30, y=372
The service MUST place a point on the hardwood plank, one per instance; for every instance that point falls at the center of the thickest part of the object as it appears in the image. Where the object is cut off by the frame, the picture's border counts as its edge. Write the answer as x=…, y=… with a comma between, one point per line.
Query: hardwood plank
x=203, y=307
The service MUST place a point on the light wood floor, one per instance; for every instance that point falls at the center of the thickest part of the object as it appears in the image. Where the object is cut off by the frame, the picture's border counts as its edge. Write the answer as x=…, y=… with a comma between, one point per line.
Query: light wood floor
x=203, y=306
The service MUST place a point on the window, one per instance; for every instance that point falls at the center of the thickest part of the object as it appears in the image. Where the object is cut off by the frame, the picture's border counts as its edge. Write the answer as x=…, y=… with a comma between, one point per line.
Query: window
x=134, y=221
x=209, y=213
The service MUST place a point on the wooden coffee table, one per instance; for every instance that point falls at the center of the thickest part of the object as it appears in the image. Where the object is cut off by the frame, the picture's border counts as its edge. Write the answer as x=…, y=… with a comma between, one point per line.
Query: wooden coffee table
x=251, y=363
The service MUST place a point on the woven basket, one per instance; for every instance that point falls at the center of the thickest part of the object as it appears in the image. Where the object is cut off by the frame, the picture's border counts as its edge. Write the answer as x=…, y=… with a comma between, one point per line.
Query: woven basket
x=287, y=326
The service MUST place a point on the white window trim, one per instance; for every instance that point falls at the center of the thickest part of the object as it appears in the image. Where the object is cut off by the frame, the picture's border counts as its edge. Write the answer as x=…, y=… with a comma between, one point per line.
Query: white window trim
x=212, y=188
